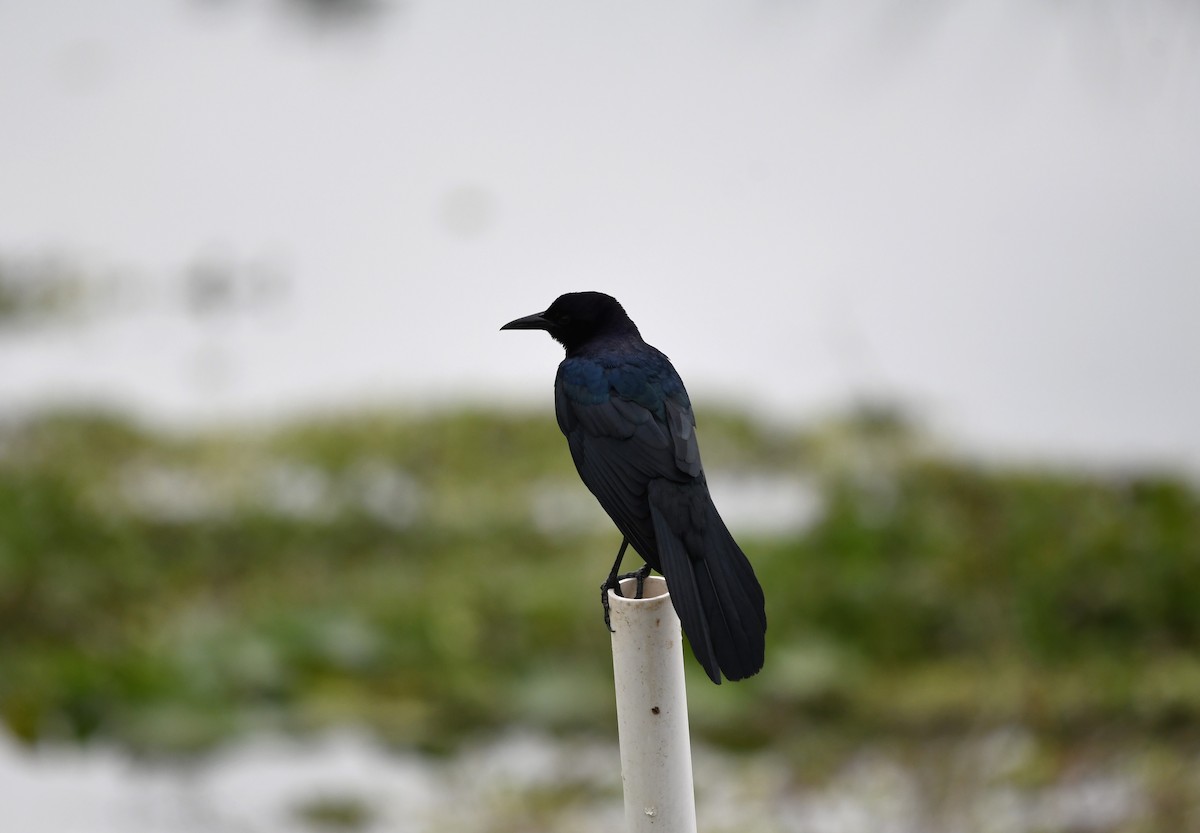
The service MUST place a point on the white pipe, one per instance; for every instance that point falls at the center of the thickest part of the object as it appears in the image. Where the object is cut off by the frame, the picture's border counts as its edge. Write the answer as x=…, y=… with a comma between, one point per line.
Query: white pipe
x=652, y=718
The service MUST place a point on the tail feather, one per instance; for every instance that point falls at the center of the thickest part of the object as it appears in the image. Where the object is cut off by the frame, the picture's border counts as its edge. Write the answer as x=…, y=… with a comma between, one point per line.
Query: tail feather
x=717, y=597
x=685, y=592
x=733, y=594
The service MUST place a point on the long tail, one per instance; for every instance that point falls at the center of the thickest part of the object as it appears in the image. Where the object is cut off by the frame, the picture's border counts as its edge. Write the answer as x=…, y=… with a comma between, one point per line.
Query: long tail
x=715, y=592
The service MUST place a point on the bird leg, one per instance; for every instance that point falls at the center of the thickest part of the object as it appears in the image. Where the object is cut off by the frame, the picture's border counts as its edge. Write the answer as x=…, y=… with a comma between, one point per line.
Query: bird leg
x=613, y=582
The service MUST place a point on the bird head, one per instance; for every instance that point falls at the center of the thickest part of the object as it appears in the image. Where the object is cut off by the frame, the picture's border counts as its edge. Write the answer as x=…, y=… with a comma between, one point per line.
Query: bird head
x=576, y=318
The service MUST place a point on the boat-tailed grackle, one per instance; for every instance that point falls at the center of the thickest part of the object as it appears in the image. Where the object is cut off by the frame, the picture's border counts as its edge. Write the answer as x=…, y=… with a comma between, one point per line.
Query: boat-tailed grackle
x=628, y=422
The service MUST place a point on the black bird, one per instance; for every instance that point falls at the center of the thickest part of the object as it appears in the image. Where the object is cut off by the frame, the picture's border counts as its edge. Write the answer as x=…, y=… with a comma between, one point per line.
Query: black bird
x=628, y=421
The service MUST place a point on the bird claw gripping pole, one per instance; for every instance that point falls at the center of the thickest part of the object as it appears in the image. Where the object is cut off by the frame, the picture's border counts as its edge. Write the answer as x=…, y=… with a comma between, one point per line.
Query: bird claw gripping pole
x=613, y=583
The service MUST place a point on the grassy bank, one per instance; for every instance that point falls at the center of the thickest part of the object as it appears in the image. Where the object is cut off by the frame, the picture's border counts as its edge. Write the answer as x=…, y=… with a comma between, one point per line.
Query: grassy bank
x=436, y=576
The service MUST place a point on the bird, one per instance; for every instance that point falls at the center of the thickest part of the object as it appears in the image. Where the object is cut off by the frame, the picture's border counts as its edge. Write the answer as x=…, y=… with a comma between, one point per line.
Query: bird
x=631, y=432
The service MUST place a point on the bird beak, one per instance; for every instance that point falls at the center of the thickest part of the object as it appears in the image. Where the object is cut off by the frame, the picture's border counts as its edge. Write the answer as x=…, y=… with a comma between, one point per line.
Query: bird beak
x=537, y=321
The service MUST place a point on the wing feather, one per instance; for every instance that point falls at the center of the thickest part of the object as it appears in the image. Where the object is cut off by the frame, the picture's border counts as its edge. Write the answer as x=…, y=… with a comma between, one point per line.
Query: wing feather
x=620, y=444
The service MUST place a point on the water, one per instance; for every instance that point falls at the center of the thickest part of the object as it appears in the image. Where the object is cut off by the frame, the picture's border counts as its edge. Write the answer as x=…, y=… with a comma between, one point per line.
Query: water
x=985, y=210
x=529, y=781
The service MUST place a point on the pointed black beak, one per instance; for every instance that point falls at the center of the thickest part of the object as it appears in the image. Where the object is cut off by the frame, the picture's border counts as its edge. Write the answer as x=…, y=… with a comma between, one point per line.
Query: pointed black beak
x=537, y=321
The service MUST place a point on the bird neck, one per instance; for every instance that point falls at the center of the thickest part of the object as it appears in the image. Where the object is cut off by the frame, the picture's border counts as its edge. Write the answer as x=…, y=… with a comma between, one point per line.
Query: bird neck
x=622, y=340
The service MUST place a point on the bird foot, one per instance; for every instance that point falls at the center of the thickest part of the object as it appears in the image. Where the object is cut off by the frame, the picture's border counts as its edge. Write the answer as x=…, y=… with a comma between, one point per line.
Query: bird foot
x=613, y=583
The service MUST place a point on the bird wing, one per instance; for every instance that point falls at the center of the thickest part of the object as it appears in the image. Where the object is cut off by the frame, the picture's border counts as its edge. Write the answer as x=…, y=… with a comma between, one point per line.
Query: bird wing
x=627, y=422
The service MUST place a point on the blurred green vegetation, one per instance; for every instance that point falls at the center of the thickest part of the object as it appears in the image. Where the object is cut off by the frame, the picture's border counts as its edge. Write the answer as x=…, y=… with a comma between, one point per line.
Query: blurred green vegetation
x=436, y=575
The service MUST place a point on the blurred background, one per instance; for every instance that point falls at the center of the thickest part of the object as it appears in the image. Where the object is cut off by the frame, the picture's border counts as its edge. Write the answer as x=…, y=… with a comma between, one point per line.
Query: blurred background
x=289, y=540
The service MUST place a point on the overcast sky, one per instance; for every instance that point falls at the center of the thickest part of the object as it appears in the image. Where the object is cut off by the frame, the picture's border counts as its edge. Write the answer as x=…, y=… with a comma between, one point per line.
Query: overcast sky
x=990, y=210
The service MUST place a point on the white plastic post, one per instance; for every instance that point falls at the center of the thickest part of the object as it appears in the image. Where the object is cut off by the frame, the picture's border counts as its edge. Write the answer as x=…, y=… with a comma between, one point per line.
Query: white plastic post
x=652, y=718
